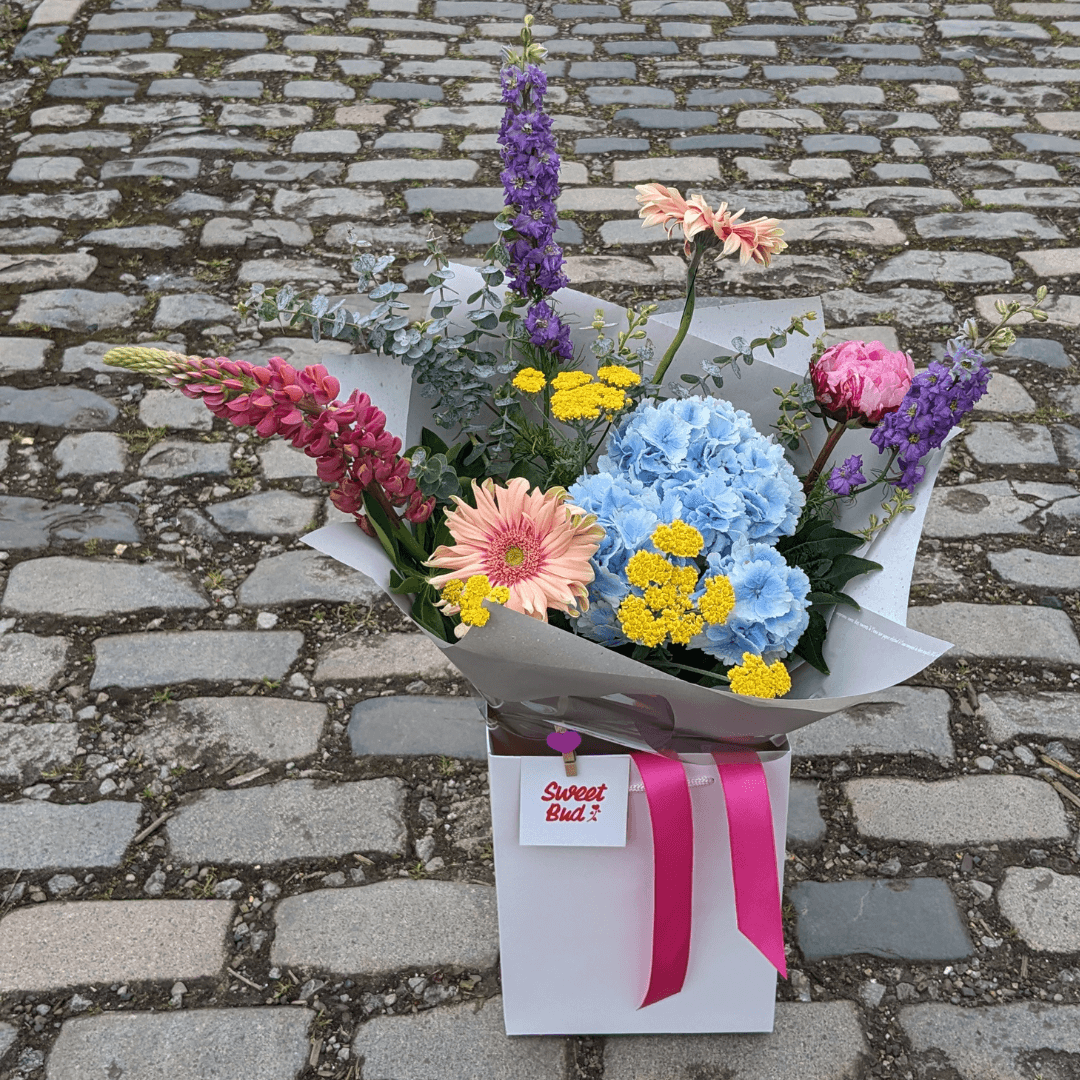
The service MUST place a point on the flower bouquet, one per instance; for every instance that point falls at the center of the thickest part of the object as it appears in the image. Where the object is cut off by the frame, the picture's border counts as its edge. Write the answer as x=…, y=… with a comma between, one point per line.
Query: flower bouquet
x=621, y=559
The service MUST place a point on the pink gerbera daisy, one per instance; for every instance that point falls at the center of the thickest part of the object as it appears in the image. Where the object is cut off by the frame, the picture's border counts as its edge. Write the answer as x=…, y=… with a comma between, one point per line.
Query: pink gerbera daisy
x=534, y=543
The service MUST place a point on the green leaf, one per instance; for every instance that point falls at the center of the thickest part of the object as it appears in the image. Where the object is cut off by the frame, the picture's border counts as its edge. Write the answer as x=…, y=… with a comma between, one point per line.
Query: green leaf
x=810, y=644
x=432, y=442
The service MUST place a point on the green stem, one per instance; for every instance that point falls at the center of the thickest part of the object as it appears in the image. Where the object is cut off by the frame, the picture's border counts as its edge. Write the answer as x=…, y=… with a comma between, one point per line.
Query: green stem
x=401, y=530
x=687, y=318
x=823, y=457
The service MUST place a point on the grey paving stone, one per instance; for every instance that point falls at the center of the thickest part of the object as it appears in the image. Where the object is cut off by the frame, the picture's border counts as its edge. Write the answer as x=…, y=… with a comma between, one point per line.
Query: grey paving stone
x=977, y=509
x=39, y=269
x=169, y=409
x=1035, y=143
x=202, y=730
x=172, y=459
x=301, y=577
x=91, y=88
x=929, y=73
x=388, y=926
x=95, y=453
x=898, y=919
x=8, y=1035
x=178, y=168
x=42, y=836
x=1043, y=906
x=981, y=225
x=813, y=272
x=133, y=20
x=255, y=1043
x=23, y=354
x=91, y=588
x=914, y=307
x=841, y=144
x=351, y=659
x=82, y=205
x=969, y=809
x=903, y=720
x=49, y=946
x=281, y=461
x=294, y=819
x=1010, y=713
x=884, y=200
x=1037, y=569
x=131, y=66
x=42, y=41
x=267, y=513
x=952, y=266
x=56, y=406
x=28, y=750
x=145, y=237
x=76, y=309
x=805, y=825
x=1040, y=351
x=164, y=658
x=217, y=40
x=30, y=523
x=282, y=172
x=996, y=443
x=665, y=119
x=1006, y=395
x=456, y=1041
x=49, y=170
x=211, y=88
x=818, y=1041
x=1000, y=631
x=31, y=661
x=415, y=724
x=236, y=232
x=325, y=202
x=31, y=236
x=388, y=91
x=876, y=232
x=999, y=1042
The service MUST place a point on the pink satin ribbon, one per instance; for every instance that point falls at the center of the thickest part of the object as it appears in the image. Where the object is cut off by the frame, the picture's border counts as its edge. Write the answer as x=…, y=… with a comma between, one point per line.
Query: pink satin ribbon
x=753, y=854
x=753, y=863
x=672, y=819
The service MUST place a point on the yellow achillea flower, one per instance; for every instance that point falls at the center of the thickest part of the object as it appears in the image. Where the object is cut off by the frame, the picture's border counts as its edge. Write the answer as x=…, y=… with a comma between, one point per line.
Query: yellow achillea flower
x=530, y=381
x=466, y=598
x=585, y=401
x=755, y=678
x=615, y=375
x=678, y=538
x=570, y=380
x=719, y=600
x=666, y=610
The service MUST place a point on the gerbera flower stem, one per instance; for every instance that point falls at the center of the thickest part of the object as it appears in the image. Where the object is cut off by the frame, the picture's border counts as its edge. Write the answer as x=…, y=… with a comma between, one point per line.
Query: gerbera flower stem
x=687, y=316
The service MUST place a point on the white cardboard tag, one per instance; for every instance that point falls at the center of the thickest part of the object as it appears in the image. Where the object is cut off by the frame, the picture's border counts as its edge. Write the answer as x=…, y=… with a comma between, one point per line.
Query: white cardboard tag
x=587, y=810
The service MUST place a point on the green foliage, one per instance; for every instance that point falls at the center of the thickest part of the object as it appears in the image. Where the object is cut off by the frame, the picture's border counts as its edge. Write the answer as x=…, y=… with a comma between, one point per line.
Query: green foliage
x=822, y=552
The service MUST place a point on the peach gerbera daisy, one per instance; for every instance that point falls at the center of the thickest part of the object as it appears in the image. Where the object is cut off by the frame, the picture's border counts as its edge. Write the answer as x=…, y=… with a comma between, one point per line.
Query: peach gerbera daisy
x=535, y=544
x=758, y=240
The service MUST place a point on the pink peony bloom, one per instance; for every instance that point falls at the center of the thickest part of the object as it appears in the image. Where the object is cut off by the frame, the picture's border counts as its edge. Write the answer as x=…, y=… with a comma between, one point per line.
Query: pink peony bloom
x=534, y=543
x=859, y=380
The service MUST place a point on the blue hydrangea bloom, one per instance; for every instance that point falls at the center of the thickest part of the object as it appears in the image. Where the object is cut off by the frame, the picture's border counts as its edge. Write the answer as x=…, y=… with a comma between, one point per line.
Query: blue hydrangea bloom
x=700, y=461
x=770, y=605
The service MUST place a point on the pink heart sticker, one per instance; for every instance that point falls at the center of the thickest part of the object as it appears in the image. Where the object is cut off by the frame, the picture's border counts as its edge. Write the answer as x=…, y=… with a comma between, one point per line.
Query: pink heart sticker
x=565, y=742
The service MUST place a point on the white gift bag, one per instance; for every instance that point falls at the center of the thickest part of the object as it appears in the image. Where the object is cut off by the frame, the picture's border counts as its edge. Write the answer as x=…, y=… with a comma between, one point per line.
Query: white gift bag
x=576, y=924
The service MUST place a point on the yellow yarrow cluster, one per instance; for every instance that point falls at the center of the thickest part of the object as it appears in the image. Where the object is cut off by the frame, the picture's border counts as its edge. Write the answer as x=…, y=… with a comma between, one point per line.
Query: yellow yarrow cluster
x=616, y=375
x=579, y=398
x=666, y=611
x=754, y=678
x=530, y=381
x=468, y=596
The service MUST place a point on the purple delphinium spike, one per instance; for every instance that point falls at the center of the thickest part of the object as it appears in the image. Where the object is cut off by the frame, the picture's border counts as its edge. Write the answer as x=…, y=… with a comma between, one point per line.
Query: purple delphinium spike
x=530, y=178
x=938, y=400
x=845, y=478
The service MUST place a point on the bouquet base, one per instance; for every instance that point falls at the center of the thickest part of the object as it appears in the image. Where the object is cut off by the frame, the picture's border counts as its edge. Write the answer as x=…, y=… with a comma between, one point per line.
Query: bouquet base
x=576, y=923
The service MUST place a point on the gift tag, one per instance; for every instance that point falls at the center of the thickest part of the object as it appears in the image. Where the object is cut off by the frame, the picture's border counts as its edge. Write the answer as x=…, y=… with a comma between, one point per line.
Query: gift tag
x=587, y=810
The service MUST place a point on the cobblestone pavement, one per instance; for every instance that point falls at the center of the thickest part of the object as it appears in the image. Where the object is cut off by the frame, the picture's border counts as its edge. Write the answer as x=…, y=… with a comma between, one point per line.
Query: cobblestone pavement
x=243, y=818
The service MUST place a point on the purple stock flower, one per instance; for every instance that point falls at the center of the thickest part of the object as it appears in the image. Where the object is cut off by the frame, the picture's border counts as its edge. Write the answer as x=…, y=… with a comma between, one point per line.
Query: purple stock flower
x=844, y=478
x=547, y=331
x=938, y=400
x=530, y=178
